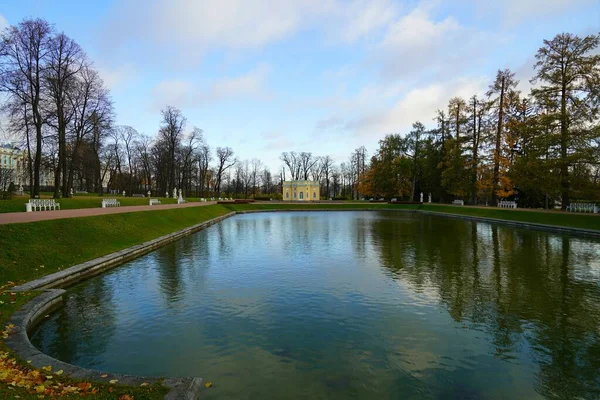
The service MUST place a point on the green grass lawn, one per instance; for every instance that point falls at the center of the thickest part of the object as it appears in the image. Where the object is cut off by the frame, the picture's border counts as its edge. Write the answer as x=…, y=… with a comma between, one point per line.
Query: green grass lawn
x=38, y=248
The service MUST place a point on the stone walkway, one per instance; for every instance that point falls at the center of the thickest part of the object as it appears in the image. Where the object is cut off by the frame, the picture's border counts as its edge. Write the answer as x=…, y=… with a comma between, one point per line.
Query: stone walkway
x=23, y=217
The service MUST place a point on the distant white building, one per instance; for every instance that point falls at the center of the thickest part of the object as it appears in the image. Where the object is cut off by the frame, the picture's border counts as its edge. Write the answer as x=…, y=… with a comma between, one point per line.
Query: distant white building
x=14, y=159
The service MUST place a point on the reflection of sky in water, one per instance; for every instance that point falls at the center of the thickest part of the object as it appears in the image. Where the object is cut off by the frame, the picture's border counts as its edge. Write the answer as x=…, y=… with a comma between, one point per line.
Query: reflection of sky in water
x=346, y=304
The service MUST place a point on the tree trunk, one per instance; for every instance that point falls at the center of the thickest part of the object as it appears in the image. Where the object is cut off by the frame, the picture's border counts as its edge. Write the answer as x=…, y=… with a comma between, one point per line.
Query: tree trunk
x=29, y=159
x=476, y=131
x=564, y=164
x=38, y=161
x=496, y=174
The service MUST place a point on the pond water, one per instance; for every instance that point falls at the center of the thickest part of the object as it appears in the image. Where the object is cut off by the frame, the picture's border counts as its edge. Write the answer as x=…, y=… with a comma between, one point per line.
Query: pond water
x=336, y=305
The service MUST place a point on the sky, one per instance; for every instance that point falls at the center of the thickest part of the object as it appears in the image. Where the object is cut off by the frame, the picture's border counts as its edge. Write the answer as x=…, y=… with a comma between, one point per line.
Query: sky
x=322, y=76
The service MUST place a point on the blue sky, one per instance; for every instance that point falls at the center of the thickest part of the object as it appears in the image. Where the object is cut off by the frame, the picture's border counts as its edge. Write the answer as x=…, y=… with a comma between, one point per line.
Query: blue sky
x=325, y=76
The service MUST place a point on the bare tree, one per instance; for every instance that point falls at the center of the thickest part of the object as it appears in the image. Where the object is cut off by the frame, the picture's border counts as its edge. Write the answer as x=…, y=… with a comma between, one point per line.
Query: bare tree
x=292, y=161
x=267, y=181
x=307, y=162
x=23, y=61
x=317, y=170
x=65, y=60
x=255, y=166
x=128, y=136
x=92, y=115
x=326, y=169
x=171, y=130
x=193, y=141
x=225, y=161
x=204, y=175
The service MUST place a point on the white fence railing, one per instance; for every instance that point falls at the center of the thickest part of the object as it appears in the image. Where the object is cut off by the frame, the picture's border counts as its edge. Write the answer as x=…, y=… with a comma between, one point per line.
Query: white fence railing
x=583, y=207
x=507, y=204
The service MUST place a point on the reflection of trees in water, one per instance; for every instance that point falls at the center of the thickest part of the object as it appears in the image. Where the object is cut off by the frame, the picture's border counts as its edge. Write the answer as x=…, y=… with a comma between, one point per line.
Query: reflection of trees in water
x=170, y=276
x=519, y=285
x=82, y=329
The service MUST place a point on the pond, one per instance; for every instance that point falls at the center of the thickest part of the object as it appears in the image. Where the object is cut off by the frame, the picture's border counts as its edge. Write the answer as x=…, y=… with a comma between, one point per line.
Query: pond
x=337, y=305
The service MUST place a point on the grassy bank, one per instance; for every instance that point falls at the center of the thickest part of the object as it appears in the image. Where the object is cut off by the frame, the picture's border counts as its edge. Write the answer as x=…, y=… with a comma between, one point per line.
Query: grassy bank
x=39, y=248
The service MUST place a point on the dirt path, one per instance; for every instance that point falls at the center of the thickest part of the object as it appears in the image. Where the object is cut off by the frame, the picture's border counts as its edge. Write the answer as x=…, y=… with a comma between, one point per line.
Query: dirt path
x=23, y=217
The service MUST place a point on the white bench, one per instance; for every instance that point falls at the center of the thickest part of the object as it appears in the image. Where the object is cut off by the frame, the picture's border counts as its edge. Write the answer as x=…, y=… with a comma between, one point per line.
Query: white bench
x=154, y=201
x=583, y=207
x=458, y=202
x=39, y=204
x=507, y=204
x=110, y=203
x=137, y=195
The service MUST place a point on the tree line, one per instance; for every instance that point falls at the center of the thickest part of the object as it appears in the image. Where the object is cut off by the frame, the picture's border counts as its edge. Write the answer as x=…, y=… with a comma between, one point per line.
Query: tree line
x=541, y=148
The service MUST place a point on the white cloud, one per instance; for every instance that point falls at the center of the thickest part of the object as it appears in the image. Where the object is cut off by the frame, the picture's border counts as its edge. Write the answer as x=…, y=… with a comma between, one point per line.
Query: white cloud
x=417, y=44
x=276, y=141
x=182, y=93
x=193, y=27
x=513, y=12
x=251, y=84
x=3, y=23
x=118, y=77
x=360, y=18
x=419, y=104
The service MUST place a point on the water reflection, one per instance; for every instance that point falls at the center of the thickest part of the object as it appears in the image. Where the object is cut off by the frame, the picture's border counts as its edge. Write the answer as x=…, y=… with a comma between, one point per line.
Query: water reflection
x=519, y=286
x=348, y=305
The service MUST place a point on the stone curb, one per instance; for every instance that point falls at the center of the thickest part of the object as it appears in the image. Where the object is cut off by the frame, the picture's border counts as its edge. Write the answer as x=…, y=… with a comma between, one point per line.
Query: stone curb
x=34, y=311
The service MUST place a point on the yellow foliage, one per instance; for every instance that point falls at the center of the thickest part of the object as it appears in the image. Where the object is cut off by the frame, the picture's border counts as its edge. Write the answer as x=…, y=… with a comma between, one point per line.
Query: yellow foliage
x=16, y=375
x=506, y=188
